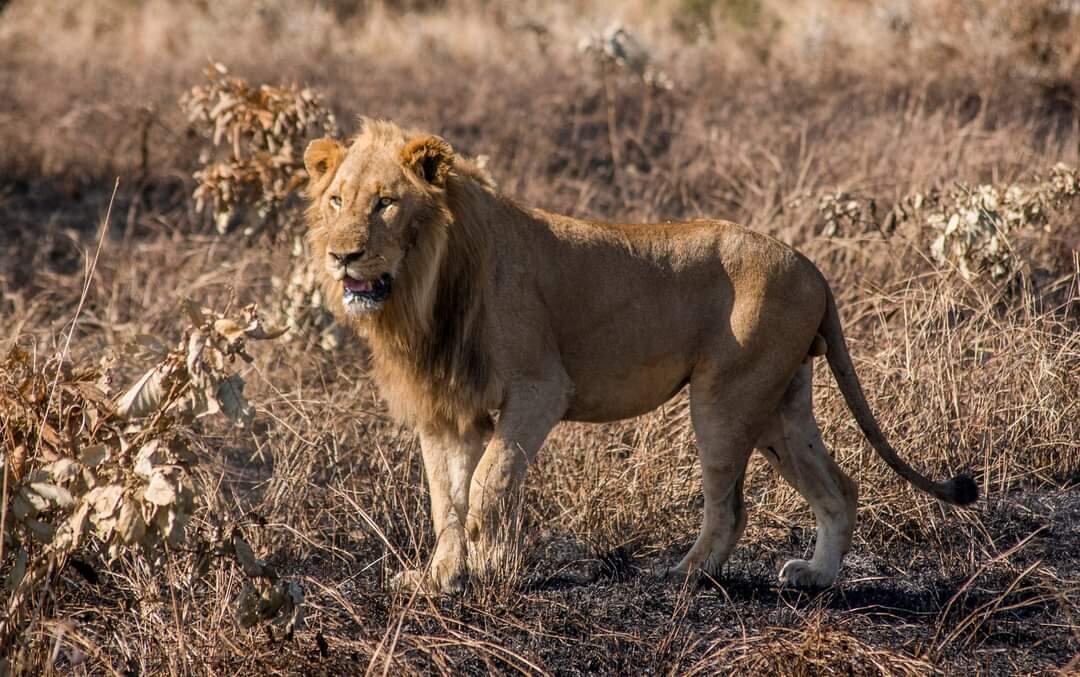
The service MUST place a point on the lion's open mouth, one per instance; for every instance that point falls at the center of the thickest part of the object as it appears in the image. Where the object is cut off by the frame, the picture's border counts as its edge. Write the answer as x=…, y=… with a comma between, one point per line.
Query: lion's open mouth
x=366, y=294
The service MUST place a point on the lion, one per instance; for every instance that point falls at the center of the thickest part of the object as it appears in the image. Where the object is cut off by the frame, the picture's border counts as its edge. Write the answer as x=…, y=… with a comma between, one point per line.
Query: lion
x=489, y=322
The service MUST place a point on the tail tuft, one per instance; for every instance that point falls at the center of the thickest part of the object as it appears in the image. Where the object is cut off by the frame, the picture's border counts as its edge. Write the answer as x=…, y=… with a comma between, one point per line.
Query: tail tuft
x=962, y=490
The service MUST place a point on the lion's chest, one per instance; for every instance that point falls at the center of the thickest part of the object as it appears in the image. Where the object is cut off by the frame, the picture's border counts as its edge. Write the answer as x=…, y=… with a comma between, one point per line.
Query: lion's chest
x=421, y=392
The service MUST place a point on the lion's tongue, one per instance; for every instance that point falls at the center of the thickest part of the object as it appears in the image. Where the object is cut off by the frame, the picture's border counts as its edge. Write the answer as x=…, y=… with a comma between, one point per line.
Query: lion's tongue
x=357, y=286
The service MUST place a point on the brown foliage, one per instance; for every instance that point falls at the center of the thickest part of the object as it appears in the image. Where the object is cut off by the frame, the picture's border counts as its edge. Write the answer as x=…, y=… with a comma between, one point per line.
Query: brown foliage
x=94, y=470
x=265, y=130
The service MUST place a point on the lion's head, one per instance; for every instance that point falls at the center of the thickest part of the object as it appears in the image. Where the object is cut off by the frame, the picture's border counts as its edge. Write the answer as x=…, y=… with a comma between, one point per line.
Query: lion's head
x=397, y=225
x=378, y=216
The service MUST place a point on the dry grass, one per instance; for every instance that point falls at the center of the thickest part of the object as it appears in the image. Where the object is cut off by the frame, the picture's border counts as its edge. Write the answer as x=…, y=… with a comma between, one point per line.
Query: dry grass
x=774, y=106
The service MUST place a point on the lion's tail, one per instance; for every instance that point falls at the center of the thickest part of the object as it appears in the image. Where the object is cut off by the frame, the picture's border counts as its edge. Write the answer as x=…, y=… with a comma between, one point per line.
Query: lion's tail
x=960, y=490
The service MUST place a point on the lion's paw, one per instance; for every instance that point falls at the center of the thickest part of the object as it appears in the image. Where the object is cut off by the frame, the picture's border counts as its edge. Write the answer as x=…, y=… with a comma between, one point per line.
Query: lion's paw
x=678, y=574
x=798, y=573
x=411, y=580
x=415, y=580
x=448, y=580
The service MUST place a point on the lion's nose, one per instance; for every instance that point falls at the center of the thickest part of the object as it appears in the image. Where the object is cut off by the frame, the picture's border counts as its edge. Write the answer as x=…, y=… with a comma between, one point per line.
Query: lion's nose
x=346, y=258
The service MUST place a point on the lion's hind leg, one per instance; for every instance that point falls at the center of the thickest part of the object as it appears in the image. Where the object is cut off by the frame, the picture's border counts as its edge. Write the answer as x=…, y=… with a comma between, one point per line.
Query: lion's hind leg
x=793, y=445
x=725, y=440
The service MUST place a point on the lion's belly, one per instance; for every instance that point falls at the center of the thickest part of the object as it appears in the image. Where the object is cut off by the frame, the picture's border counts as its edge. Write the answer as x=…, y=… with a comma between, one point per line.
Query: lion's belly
x=612, y=394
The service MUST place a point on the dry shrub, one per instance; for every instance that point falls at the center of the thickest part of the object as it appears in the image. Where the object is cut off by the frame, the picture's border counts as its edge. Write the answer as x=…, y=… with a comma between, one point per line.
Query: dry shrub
x=192, y=380
x=876, y=101
x=975, y=223
x=842, y=213
x=265, y=130
x=969, y=229
x=87, y=468
x=616, y=48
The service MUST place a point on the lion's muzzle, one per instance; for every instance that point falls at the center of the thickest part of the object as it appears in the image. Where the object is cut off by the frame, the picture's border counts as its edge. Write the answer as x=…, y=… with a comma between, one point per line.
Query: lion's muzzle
x=365, y=295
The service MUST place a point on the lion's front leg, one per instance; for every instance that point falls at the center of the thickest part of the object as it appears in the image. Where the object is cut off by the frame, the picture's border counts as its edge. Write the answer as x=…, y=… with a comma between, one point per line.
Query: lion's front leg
x=450, y=457
x=493, y=521
x=494, y=496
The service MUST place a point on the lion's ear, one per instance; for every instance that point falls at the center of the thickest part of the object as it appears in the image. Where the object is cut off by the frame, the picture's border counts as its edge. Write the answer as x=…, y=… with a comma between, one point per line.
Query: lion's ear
x=321, y=158
x=428, y=157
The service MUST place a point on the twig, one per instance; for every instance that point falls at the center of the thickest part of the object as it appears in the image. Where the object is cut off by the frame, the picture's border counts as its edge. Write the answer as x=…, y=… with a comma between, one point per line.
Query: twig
x=612, y=123
x=75, y=320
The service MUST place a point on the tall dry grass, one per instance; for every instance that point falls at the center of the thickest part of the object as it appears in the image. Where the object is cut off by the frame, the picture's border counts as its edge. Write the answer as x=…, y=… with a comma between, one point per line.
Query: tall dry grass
x=774, y=106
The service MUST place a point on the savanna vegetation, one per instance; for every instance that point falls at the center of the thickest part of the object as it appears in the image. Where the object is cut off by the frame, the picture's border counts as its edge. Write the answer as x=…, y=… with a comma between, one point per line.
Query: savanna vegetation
x=199, y=476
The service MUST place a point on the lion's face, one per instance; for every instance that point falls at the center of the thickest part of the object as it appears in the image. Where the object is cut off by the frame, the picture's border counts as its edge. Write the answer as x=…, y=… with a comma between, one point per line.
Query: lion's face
x=370, y=203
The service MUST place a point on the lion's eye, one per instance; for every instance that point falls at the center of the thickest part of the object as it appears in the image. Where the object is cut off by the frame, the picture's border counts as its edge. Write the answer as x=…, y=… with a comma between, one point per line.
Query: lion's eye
x=335, y=202
x=385, y=201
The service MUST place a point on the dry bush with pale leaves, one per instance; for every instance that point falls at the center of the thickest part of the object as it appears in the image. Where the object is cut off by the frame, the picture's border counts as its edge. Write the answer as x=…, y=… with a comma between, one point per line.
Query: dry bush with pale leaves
x=85, y=465
x=967, y=228
x=330, y=493
x=974, y=224
x=618, y=49
x=263, y=132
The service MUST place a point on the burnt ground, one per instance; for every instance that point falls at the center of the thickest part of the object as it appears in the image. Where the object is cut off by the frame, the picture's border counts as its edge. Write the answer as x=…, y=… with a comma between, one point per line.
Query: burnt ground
x=578, y=611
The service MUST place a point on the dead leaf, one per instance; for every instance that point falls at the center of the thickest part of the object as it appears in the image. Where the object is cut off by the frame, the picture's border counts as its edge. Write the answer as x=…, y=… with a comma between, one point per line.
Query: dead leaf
x=160, y=490
x=260, y=333
x=145, y=396
x=49, y=435
x=18, y=460
x=63, y=470
x=171, y=522
x=148, y=457
x=70, y=532
x=105, y=499
x=196, y=343
x=93, y=455
x=230, y=394
x=36, y=501
x=230, y=329
x=130, y=526
x=104, y=528
x=196, y=404
x=58, y=496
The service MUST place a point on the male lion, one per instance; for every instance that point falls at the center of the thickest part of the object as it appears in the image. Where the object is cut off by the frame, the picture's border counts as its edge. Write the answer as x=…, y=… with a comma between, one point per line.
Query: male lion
x=473, y=303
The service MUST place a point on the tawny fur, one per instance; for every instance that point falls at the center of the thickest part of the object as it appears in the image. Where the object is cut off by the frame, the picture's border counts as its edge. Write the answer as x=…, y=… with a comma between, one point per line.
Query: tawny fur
x=430, y=374
x=542, y=317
